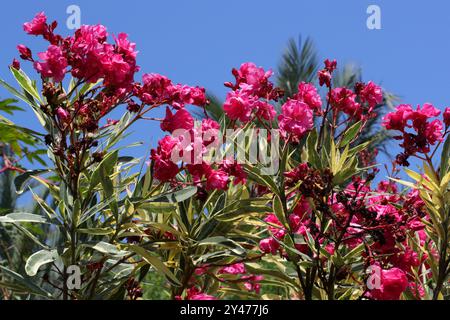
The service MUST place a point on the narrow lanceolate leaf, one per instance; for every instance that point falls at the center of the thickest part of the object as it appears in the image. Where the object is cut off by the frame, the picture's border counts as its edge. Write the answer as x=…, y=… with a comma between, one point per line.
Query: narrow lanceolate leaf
x=22, y=217
x=25, y=83
x=24, y=283
x=224, y=242
x=108, y=248
x=445, y=156
x=155, y=262
x=176, y=196
x=38, y=259
x=96, y=231
x=21, y=180
x=350, y=134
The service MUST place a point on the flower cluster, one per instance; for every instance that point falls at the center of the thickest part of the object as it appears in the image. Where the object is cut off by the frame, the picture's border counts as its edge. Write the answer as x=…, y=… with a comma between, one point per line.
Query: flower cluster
x=251, y=95
x=418, y=131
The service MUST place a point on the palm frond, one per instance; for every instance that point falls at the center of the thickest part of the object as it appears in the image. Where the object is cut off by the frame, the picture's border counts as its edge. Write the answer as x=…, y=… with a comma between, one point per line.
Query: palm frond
x=298, y=63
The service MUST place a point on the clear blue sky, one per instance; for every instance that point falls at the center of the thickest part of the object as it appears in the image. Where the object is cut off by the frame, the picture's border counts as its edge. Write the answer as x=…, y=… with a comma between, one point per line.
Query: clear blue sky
x=198, y=41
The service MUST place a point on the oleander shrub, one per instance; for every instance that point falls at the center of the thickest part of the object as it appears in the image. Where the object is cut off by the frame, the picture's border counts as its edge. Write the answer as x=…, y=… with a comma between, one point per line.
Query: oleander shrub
x=281, y=198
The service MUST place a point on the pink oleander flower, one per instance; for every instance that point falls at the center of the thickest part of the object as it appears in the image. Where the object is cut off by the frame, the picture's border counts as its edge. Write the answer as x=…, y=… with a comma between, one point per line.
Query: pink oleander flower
x=125, y=47
x=393, y=282
x=255, y=77
x=239, y=105
x=447, y=116
x=398, y=120
x=252, y=283
x=201, y=270
x=164, y=168
x=269, y=245
x=37, y=26
x=183, y=94
x=182, y=119
x=53, y=65
x=372, y=94
x=194, y=293
x=265, y=110
x=24, y=52
x=307, y=93
x=433, y=132
x=235, y=170
x=210, y=132
x=237, y=268
x=405, y=119
x=155, y=88
x=217, y=179
x=15, y=64
x=343, y=99
x=63, y=115
x=296, y=119
x=324, y=78
x=90, y=53
x=330, y=65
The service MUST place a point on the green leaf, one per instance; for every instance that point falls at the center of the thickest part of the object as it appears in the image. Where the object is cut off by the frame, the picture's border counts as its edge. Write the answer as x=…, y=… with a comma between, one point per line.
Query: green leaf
x=21, y=180
x=350, y=134
x=445, y=156
x=22, y=217
x=25, y=283
x=155, y=262
x=96, y=231
x=38, y=259
x=225, y=242
x=108, y=248
x=25, y=83
x=175, y=196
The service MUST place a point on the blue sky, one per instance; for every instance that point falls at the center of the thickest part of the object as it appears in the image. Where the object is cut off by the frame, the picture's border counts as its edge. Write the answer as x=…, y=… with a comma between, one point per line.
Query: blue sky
x=198, y=41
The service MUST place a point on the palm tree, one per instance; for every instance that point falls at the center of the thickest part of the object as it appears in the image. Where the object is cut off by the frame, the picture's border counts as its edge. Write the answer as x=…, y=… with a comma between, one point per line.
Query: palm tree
x=300, y=62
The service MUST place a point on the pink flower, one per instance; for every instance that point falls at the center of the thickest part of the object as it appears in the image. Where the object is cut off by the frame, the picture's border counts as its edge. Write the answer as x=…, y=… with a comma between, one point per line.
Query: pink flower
x=195, y=294
x=433, y=131
x=239, y=105
x=164, y=168
x=447, y=116
x=201, y=270
x=182, y=119
x=343, y=99
x=397, y=120
x=265, y=110
x=252, y=283
x=217, y=179
x=372, y=94
x=235, y=170
x=237, y=268
x=15, y=64
x=54, y=63
x=406, y=260
x=296, y=119
x=155, y=88
x=25, y=52
x=125, y=47
x=307, y=93
x=183, y=94
x=330, y=65
x=63, y=115
x=256, y=78
x=37, y=26
x=393, y=282
x=269, y=245
x=91, y=55
x=210, y=131
x=324, y=78
x=426, y=133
